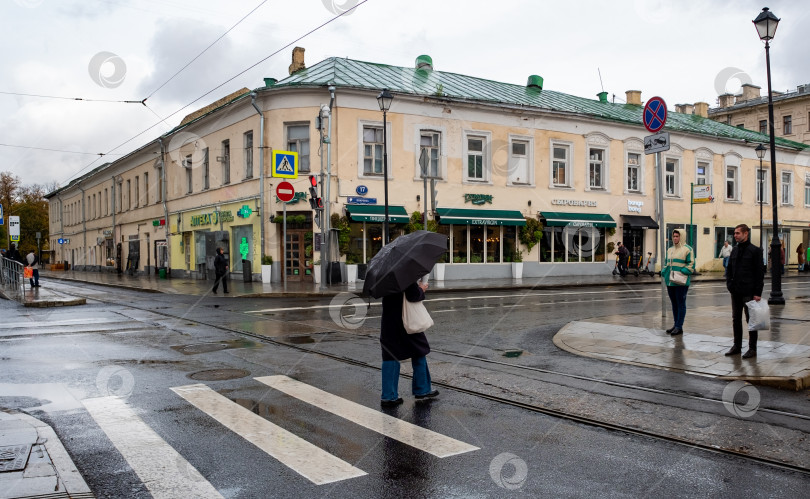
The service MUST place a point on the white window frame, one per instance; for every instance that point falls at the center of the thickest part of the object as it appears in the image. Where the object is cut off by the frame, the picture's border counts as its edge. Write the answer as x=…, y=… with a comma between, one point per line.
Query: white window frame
x=789, y=185
x=634, y=146
x=703, y=155
x=360, y=171
x=298, y=143
x=249, y=158
x=733, y=160
x=569, y=165
x=807, y=189
x=678, y=187
x=417, y=150
x=766, y=188
x=486, y=156
x=529, y=140
x=601, y=141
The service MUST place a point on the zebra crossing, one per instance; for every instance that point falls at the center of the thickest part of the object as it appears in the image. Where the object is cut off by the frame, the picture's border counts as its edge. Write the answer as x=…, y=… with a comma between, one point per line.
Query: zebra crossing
x=153, y=459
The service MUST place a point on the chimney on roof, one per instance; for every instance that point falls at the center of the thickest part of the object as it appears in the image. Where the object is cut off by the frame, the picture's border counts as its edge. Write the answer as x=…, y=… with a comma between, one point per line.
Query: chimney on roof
x=424, y=62
x=750, y=92
x=725, y=100
x=535, y=81
x=633, y=97
x=702, y=109
x=297, y=60
x=602, y=96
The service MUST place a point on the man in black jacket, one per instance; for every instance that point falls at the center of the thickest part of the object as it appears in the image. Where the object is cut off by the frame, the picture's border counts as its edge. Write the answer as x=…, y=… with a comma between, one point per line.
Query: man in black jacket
x=744, y=279
x=220, y=270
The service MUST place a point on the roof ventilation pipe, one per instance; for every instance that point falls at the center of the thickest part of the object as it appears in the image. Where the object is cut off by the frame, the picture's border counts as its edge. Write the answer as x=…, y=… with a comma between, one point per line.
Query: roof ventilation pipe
x=602, y=97
x=535, y=81
x=424, y=62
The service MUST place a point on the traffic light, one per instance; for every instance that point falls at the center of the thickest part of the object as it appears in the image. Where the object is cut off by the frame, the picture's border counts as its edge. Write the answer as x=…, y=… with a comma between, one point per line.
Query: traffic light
x=314, y=201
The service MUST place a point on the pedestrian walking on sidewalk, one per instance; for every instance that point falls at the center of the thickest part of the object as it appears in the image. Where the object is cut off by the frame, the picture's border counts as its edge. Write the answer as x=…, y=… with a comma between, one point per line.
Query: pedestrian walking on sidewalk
x=800, y=256
x=14, y=254
x=220, y=271
x=621, y=254
x=680, y=265
x=33, y=261
x=398, y=345
x=744, y=279
x=725, y=252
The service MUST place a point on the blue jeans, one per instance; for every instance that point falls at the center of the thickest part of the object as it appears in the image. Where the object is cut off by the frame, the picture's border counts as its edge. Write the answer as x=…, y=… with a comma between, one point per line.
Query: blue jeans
x=390, y=378
x=35, y=278
x=677, y=296
x=725, y=262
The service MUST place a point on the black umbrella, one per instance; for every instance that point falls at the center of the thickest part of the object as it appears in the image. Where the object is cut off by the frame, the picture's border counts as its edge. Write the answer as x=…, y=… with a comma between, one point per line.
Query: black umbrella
x=402, y=261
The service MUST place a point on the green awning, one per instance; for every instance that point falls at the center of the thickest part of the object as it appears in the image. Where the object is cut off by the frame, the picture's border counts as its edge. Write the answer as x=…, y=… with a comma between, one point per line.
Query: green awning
x=560, y=219
x=458, y=216
x=376, y=213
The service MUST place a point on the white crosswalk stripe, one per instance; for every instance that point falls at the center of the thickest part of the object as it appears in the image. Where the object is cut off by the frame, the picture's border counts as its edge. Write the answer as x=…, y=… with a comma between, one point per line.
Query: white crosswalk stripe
x=164, y=472
x=310, y=461
x=429, y=441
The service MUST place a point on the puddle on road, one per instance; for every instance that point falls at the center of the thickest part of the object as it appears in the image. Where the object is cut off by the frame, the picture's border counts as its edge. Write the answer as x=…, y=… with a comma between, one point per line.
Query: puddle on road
x=216, y=346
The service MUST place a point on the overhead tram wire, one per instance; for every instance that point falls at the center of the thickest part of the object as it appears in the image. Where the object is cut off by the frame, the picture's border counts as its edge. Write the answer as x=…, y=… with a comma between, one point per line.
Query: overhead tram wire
x=82, y=99
x=58, y=150
x=224, y=83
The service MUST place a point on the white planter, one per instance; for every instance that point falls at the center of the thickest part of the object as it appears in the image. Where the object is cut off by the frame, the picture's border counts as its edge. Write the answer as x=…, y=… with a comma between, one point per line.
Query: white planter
x=351, y=271
x=517, y=270
x=267, y=273
x=316, y=273
x=438, y=271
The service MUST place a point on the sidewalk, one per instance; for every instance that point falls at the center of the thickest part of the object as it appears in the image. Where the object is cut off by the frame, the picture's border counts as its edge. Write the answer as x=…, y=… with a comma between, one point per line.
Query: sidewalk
x=34, y=463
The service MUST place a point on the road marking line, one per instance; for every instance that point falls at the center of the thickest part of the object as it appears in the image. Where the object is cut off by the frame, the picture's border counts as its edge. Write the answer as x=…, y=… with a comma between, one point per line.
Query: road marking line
x=429, y=441
x=306, y=459
x=161, y=468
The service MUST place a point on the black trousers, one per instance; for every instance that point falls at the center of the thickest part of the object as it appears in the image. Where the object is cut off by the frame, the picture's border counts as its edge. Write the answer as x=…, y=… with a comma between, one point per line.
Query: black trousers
x=737, y=308
x=220, y=278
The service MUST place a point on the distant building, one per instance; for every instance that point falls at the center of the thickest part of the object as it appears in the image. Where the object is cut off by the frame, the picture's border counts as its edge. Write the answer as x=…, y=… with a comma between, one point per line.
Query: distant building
x=501, y=154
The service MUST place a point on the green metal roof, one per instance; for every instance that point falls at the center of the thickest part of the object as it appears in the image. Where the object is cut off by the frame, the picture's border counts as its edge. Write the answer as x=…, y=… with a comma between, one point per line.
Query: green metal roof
x=376, y=213
x=403, y=80
x=459, y=216
x=560, y=219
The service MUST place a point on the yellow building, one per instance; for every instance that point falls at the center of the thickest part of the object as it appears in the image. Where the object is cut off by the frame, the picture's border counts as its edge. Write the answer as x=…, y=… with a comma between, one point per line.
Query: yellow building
x=506, y=162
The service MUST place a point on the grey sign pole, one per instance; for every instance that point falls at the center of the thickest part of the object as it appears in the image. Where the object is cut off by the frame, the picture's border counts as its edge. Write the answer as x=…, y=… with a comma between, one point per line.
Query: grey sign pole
x=284, y=244
x=661, y=233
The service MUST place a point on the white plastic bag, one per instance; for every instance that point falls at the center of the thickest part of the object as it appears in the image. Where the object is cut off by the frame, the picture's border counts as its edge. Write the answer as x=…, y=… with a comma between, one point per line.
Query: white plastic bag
x=759, y=315
x=415, y=316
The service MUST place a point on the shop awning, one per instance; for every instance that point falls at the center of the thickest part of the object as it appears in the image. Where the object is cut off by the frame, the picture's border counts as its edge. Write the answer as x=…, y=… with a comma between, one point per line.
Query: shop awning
x=560, y=219
x=376, y=213
x=459, y=216
x=639, y=222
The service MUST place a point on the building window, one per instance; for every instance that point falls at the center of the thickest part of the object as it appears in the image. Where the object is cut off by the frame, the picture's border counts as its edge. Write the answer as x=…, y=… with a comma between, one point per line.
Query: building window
x=373, y=150
x=741, y=125
x=596, y=168
x=137, y=191
x=298, y=141
x=146, y=189
x=787, y=188
x=106, y=202
x=731, y=183
x=93, y=207
x=762, y=186
x=430, y=143
x=189, y=180
x=206, y=171
x=248, y=139
x=671, y=179
x=129, y=194
x=721, y=235
x=560, y=165
x=634, y=172
x=763, y=126
x=476, y=158
x=807, y=189
x=702, y=174
x=787, y=125
x=226, y=162
x=160, y=185
x=519, y=161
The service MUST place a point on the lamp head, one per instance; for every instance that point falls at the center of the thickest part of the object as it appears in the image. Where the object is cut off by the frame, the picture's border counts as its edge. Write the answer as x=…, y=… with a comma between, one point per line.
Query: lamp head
x=384, y=99
x=760, y=149
x=766, y=24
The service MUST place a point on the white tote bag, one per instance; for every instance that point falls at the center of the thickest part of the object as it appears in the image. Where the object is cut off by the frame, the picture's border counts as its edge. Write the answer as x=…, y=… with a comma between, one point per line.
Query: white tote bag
x=759, y=315
x=415, y=316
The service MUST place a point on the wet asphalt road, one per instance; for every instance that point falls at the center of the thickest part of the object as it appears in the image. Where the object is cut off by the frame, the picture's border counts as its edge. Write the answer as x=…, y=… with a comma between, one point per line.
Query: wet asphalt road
x=138, y=346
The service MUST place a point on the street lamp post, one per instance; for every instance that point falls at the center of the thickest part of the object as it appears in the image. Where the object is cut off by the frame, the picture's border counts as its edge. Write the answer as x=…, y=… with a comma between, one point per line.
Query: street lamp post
x=760, y=150
x=766, y=24
x=384, y=100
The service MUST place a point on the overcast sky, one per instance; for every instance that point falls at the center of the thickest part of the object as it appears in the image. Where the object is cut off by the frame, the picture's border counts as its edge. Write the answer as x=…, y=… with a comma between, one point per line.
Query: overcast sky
x=686, y=51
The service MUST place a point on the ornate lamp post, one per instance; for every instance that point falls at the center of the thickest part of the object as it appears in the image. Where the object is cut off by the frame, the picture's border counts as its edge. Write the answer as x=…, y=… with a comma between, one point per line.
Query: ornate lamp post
x=384, y=100
x=760, y=150
x=766, y=24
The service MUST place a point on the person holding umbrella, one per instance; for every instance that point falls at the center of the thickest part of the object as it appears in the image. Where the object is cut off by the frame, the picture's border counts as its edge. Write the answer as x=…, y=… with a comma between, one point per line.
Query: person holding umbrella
x=392, y=274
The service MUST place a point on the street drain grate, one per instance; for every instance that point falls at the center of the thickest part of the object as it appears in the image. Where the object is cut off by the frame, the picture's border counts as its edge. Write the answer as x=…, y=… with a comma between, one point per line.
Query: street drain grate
x=219, y=374
x=14, y=457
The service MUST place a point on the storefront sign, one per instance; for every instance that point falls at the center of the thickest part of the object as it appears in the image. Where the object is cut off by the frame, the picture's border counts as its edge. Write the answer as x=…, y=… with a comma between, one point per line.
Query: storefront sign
x=214, y=217
x=362, y=190
x=357, y=200
x=244, y=211
x=634, y=206
x=573, y=202
x=478, y=199
x=483, y=221
x=577, y=223
x=107, y=232
x=156, y=223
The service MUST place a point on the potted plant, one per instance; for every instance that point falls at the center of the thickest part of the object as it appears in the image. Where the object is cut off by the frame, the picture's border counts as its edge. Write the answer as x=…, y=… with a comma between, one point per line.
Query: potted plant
x=267, y=268
x=438, y=269
x=351, y=267
x=517, y=265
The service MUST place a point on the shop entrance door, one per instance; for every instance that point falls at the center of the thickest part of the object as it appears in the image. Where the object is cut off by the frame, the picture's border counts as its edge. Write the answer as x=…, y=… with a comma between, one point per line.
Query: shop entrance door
x=295, y=266
x=634, y=240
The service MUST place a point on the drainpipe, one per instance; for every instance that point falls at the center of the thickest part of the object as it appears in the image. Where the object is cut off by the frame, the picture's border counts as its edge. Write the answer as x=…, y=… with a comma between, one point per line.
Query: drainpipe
x=61, y=227
x=327, y=221
x=165, y=205
x=261, y=171
x=84, y=230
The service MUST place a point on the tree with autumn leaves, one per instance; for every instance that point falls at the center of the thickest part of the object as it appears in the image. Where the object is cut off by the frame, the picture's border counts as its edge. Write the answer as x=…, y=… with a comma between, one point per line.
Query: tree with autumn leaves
x=27, y=202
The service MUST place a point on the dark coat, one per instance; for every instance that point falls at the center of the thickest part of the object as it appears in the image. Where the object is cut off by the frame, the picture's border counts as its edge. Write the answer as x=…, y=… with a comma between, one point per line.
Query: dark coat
x=14, y=254
x=745, y=274
x=220, y=264
x=396, y=343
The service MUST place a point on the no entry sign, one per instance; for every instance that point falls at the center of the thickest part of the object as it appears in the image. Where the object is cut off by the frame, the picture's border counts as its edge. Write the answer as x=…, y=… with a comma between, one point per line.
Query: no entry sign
x=285, y=191
x=655, y=114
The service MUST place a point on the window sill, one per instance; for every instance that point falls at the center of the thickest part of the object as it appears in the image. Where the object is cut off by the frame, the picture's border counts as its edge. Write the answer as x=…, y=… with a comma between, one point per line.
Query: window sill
x=476, y=182
x=516, y=184
x=562, y=187
x=735, y=201
x=598, y=190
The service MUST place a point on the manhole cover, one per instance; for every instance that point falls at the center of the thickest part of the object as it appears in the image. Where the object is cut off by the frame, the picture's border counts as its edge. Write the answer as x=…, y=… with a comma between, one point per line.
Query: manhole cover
x=14, y=457
x=219, y=374
x=201, y=348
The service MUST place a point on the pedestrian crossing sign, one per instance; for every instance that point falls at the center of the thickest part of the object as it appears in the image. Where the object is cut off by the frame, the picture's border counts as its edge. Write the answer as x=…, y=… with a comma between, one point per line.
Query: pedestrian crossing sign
x=285, y=164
